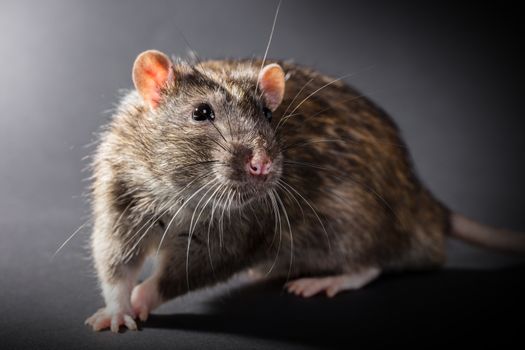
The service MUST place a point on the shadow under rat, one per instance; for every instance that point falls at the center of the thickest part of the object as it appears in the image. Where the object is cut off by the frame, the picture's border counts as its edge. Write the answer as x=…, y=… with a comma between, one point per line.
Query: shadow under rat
x=401, y=308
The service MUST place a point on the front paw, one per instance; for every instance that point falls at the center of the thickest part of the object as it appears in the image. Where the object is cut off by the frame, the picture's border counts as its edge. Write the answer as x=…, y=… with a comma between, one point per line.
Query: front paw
x=144, y=298
x=105, y=318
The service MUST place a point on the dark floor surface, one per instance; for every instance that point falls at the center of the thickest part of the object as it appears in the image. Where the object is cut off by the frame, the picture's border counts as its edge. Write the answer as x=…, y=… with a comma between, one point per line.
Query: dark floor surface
x=435, y=308
x=45, y=301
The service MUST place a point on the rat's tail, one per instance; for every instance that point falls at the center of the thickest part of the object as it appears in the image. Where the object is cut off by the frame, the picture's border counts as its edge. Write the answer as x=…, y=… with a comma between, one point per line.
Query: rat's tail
x=486, y=236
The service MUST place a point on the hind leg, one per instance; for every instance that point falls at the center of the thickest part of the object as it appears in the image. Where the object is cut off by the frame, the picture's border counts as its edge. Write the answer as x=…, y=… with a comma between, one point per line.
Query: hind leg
x=331, y=285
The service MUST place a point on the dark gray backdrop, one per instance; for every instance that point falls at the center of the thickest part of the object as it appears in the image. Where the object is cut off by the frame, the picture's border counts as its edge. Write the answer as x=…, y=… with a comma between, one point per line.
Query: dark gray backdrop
x=450, y=75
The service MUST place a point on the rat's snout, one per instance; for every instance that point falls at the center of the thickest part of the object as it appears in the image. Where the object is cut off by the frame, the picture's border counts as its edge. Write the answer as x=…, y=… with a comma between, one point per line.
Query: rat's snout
x=259, y=163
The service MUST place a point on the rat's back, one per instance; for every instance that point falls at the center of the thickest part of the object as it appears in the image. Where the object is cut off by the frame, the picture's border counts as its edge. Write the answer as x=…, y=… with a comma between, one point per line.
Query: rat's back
x=345, y=156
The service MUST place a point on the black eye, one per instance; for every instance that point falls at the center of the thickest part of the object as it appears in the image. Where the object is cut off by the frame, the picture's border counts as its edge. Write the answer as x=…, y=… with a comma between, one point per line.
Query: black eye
x=267, y=114
x=203, y=112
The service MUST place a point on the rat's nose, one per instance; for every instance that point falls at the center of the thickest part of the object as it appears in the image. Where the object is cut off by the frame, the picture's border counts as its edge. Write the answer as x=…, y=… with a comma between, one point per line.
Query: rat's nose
x=259, y=163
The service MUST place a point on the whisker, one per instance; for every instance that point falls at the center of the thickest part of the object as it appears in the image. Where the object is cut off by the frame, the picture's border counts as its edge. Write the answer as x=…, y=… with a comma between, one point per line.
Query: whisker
x=220, y=222
x=220, y=133
x=275, y=219
x=219, y=144
x=229, y=206
x=313, y=210
x=340, y=139
x=222, y=217
x=283, y=120
x=290, y=234
x=153, y=219
x=127, y=193
x=297, y=95
x=269, y=42
x=179, y=210
x=293, y=197
x=210, y=222
x=302, y=144
x=193, y=51
x=197, y=163
x=312, y=165
x=69, y=238
x=187, y=42
x=272, y=194
x=309, y=96
x=229, y=125
x=115, y=225
x=192, y=227
x=157, y=217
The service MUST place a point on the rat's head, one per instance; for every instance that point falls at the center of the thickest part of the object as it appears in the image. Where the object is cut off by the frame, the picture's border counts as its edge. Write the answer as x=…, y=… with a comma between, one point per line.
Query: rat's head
x=212, y=126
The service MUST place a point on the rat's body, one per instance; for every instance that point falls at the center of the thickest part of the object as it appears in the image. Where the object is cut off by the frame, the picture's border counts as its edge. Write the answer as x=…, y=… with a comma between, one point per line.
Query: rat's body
x=326, y=190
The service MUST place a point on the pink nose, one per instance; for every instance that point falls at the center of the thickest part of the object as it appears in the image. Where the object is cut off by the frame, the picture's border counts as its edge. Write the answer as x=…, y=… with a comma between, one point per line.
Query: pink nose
x=259, y=164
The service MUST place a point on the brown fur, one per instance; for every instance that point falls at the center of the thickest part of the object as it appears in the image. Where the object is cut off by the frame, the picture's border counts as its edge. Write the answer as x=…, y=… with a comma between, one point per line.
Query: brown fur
x=339, y=151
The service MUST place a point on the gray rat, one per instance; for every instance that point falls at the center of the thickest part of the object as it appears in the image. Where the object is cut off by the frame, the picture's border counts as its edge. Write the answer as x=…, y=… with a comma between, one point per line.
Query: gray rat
x=224, y=165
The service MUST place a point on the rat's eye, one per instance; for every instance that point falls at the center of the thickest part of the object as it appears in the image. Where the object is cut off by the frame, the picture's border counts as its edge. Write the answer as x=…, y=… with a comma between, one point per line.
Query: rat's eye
x=267, y=114
x=203, y=112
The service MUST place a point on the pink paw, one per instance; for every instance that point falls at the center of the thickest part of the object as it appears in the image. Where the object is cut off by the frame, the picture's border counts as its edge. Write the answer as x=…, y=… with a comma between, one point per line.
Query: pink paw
x=145, y=298
x=331, y=285
x=255, y=274
x=307, y=287
x=104, y=318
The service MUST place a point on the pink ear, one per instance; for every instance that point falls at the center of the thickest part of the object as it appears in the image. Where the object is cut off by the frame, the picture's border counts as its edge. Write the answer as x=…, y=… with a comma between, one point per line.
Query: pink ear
x=271, y=82
x=151, y=71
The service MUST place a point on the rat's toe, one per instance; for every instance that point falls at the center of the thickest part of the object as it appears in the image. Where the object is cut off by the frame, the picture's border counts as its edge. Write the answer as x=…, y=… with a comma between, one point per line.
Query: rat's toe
x=103, y=319
x=115, y=323
x=317, y=285
x=305, y=286
x=130, y=323
x=331, y=285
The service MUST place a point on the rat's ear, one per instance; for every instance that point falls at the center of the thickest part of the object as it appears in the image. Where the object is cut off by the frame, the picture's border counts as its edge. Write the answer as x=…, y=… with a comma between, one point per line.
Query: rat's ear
x=271, y=82
x=152, y=70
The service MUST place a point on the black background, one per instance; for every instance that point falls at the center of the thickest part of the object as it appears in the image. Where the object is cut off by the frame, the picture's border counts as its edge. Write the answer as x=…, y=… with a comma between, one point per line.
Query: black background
x=450, y=75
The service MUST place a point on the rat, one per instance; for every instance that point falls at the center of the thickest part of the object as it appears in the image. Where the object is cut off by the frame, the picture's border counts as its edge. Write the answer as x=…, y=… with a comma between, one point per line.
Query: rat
x=220, y=166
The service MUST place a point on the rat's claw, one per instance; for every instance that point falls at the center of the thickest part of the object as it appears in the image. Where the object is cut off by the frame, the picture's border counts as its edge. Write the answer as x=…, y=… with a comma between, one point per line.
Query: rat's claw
x=103, y=319
x=115, y=323
x=130, y=323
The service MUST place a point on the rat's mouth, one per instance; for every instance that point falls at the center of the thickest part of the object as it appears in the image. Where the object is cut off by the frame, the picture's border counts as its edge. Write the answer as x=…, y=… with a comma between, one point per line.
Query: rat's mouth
x=246, y=194
x=225, y=194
